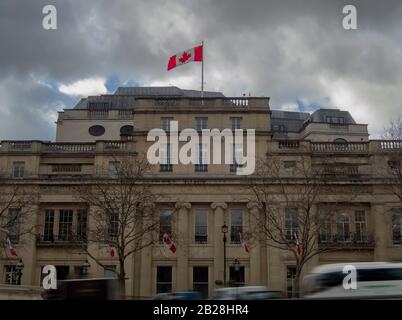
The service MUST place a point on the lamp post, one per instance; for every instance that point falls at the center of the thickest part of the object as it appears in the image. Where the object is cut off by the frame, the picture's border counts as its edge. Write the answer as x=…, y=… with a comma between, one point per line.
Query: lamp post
x=224, y=231
x=19, y=267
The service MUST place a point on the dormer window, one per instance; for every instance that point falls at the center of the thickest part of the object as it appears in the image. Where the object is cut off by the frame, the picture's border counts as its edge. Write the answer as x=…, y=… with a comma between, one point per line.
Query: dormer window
x=335, y=120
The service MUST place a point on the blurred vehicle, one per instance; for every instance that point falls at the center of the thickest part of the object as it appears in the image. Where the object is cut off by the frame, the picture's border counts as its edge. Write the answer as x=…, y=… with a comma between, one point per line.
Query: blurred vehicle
x=184, y=295
x=376, y=280
x=246, y=293
x=84, y=289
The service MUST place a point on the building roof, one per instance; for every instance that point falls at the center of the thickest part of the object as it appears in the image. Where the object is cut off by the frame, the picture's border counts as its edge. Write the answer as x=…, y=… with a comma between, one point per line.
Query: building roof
x=124, y=97
x=321, y=115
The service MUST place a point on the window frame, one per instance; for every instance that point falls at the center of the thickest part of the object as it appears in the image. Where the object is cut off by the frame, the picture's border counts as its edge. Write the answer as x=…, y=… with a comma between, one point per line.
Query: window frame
x=235, y=229
x=203, y=235
x=18, y=169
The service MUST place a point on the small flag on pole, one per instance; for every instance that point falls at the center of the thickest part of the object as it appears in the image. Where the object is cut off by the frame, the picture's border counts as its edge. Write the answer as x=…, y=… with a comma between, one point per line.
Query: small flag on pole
x=244, y=244
x=112, y=251
x=13, y=252
x=299, y=247
x=169, y=243
x=186, y=56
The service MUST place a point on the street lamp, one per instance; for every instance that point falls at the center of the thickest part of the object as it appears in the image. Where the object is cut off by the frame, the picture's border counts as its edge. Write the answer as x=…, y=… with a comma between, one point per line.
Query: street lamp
x=85, y=268
x=224, y=231
x=18, y=268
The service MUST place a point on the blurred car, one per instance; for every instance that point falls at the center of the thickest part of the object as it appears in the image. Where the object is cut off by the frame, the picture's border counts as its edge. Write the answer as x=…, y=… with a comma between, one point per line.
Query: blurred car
x=375, y=280
x=246, y=293
x=183, y=295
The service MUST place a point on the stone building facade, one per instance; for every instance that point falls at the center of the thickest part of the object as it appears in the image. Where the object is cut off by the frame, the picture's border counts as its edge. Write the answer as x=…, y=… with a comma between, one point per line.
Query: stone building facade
x=205, y=198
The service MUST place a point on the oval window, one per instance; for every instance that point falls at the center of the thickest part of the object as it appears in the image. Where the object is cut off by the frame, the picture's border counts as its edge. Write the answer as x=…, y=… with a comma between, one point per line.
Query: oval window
x=96, y=130
x=127, y=130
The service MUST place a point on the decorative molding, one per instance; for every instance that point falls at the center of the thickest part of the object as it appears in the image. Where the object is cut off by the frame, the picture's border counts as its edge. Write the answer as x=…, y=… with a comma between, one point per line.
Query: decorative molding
x=253, y=205
x=216, y=205
x=183, y=205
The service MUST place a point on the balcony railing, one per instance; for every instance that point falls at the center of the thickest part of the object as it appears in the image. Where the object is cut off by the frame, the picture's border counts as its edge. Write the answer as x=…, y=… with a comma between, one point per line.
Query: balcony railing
x=348, y=240
x=60, y=240
x=290, y=144
x=69, y=147
x=331, y=147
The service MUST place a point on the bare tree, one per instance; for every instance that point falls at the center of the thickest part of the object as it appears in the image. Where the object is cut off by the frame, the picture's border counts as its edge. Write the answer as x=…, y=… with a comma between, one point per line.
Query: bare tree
x=298, y=230
x=120, y=210
x=394, y=130
x=17, y=212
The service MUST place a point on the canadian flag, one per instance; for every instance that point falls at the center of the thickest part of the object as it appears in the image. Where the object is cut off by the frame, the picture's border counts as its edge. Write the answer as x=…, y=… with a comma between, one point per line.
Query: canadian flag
x=13, y=252
x=299, y=247
x=169, y=243
x=112, y=251
x=193, y=54
x=244, y=244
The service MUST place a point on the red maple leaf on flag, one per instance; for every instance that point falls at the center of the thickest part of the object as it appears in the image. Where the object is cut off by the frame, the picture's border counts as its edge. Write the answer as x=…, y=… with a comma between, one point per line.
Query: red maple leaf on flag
x=184, y=57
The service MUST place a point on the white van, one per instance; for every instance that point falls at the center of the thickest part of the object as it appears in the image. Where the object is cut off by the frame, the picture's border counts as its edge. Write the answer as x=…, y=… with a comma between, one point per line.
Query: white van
x=375, y=280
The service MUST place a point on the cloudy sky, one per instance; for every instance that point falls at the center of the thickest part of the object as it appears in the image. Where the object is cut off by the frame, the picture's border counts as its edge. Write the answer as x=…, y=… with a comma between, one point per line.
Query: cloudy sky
x=295, y=52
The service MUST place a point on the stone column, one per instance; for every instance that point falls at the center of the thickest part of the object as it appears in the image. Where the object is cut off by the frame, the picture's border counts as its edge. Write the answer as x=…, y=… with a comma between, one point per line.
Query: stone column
x=219, y=219
x=381, y=231
x=256, y=261
x=182, y=242
x=146, y=280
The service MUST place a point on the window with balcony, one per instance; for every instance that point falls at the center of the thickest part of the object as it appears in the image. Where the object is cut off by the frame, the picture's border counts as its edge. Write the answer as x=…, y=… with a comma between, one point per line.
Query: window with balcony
x=360, y=226
x=18, y=169
x=343, y=227
x=236, y=225
x=202, y=123
x=396, y=216
x=165, y=223
x=163, y=279
x=65, y=225
x=165, y=123
x=200, y=280
x=291, y=223
x=201, y=226
x=13, y=224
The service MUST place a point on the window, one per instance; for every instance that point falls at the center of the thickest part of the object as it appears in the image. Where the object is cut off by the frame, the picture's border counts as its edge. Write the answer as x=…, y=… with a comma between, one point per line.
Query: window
x=165, y=123
x=110, y=272
x=237, y=151
x=202, y=156
x=335, y=120
x=163, y=279
x=14, y=222
x=113, y=223
x=18, y=169
x=65, y=225
x=325, y=227
x=200, y=280
x=291, y=223
x=127, y=130
x=114, y=169
x=343, y=227
x=236, y=122
x=360, y=225
x=165, y=224
x=96, y=131
x=82, y=224
x=289, y=164
x=201, y=226
x=236, y=225
x=279, y=128
x=340, y=140
x=237, y=277
x=396, y=226
x=49, y=224
x=202, y=123
x=11, y=275
x=290, y=279
x=165, y=165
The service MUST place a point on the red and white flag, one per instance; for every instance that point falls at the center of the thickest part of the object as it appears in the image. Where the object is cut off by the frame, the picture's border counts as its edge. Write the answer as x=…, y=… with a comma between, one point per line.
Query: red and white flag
x=112, y=251
x=193, y=54
x=244, y=244
x=299, y=247
x=169, y=243
x=13, y=252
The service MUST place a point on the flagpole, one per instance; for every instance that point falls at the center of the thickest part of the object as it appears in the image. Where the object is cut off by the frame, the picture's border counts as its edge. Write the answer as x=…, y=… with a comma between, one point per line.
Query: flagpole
x=202, y=73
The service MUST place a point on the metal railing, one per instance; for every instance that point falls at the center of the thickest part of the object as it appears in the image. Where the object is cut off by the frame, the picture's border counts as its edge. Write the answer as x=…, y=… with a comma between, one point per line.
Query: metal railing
x=346, y=240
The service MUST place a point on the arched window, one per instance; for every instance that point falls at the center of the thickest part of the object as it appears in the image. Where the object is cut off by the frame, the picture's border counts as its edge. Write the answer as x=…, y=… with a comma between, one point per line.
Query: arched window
x=340, y=140
x=343, y=227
